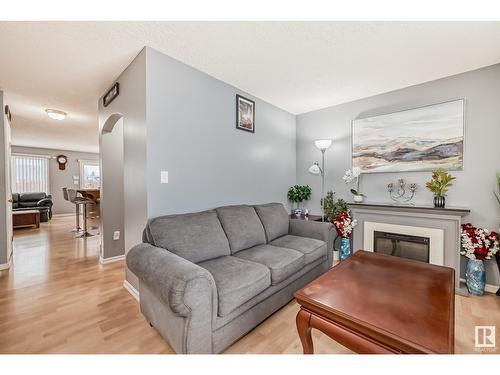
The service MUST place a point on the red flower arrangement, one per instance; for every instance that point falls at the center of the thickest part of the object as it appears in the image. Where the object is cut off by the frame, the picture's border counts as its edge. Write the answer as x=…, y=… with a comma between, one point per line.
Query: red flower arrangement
x=478, y=243
x=344, y=224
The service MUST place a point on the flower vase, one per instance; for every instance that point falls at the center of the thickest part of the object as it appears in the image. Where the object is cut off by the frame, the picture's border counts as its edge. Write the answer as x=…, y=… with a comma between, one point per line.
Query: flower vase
x=475, y=276
x=345, y=248
x=439, y=201
x=497, y=257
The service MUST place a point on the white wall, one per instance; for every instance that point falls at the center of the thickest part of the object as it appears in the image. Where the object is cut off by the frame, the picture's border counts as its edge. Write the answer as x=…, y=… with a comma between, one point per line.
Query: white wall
x=60, y=178
x=473, y=187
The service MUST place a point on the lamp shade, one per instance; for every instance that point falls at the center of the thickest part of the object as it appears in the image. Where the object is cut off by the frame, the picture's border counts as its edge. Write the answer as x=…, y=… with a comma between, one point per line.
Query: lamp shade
x=323, y=144
x=314, y=169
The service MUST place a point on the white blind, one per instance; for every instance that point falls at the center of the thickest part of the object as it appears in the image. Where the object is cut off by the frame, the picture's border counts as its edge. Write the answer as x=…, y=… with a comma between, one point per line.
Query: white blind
x=30, y=174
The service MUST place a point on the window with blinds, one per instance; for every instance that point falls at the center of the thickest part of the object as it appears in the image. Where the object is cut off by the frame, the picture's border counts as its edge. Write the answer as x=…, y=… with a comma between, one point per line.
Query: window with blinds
x=30, y=173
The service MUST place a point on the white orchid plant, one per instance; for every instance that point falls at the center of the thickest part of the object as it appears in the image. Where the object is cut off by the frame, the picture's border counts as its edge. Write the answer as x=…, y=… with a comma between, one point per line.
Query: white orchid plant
x=351, y=176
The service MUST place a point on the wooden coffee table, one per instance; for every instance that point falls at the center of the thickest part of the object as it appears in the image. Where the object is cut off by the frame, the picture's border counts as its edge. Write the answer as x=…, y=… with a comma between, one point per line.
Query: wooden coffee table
x=374, y=303
x=26, y=218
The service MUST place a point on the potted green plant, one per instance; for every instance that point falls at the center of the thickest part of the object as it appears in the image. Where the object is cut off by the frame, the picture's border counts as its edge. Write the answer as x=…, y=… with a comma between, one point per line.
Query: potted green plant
x=333, y=207
x=297, y=194
x=337, y=212
x=439, y=184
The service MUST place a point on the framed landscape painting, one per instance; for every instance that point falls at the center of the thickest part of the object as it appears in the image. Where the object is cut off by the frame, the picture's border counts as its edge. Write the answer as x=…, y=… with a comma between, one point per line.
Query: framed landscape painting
x=419, y=139
x=245, y=114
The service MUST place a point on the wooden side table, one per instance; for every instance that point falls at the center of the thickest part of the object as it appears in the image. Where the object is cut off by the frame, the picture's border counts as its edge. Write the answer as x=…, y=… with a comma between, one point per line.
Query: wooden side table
x=27, y=218
x=310, y=217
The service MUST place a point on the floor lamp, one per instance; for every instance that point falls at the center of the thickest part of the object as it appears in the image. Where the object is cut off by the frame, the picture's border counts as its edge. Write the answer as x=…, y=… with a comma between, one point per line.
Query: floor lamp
x=322, y=145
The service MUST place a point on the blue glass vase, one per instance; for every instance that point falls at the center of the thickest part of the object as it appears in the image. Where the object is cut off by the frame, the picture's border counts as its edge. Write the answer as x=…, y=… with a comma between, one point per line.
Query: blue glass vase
x=475, y=276
x=345, y=248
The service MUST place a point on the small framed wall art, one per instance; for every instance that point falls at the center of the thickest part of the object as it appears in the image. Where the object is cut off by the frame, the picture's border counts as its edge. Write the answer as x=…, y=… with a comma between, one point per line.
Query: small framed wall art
x=245, y=114
x=111, y=95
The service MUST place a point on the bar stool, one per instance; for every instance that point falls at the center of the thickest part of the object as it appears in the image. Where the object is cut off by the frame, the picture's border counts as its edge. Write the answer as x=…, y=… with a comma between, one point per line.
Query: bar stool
x=77, y=214
x=74, y=198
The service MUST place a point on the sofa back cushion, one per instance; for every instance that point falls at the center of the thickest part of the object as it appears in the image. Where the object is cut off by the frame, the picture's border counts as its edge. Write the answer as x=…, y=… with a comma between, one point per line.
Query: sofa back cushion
x=274, y=219
x=195, y=237
x=15, y=200
x=31, y=197
x=242, y=226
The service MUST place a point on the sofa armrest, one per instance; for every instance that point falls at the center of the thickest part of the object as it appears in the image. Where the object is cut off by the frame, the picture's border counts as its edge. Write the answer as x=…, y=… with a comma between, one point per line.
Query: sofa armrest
x=45, y=202
x=315, y=229
x=180, y=284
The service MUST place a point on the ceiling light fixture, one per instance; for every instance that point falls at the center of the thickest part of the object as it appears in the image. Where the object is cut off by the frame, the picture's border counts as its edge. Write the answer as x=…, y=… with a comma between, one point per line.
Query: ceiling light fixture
x=56, y=114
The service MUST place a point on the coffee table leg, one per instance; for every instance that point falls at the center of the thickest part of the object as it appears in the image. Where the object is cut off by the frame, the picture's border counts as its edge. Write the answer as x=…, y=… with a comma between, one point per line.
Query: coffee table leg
x=304, y=329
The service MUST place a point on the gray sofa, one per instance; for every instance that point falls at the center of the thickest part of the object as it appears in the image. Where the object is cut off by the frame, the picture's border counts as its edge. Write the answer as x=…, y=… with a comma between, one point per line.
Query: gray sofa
x=207, y=278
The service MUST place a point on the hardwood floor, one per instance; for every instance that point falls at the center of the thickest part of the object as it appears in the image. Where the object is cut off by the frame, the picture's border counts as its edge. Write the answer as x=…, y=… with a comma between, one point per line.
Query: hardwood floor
x=57, y=298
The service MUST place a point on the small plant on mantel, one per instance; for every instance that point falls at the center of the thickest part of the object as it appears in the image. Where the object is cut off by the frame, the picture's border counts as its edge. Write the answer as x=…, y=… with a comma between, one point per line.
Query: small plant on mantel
x=439, y=184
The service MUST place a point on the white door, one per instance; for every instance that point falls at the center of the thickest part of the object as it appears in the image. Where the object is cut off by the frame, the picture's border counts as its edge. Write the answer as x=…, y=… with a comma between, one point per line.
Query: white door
x=8, y=189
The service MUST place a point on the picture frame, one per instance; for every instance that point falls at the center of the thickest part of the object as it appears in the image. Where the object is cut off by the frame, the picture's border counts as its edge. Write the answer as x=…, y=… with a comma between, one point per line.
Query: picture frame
x=245, y=114
x=411, y=140
x=111, y=94
x=7, y=113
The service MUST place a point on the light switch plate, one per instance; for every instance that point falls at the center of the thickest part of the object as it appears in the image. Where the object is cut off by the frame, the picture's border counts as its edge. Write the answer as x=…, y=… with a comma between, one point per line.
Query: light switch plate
x=164, y=177
x=116, y=235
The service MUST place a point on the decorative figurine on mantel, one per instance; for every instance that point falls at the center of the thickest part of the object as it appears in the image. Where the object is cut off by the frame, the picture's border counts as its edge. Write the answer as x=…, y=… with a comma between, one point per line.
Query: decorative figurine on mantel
x=402, y=193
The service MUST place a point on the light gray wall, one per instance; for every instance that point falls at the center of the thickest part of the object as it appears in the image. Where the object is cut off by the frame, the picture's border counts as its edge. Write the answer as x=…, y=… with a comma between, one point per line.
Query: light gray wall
x=178, y=119
x=3, y=192
x=112, y=199
x=192, y=134
x=131, y=103
x=473, y=186
x=57, y=178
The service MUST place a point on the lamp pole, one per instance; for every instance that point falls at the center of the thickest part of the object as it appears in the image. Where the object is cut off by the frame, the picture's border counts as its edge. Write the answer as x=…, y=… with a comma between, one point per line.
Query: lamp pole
x=322, y=145
x=323, y=184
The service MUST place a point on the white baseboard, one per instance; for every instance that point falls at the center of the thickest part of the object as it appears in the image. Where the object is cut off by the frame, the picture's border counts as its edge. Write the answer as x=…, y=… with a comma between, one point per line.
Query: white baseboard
x=111, y=260
x=130, y=288
x=488, y=288
x=5, y=266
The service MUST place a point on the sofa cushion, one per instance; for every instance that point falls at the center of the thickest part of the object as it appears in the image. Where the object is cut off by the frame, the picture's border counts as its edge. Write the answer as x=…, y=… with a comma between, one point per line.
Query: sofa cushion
x=242, y=226
x=27, y=204
x=274, y=219
x=195, y=237
x=312, y=249
x=282, y=262
x=31, y=197
x=237, y=281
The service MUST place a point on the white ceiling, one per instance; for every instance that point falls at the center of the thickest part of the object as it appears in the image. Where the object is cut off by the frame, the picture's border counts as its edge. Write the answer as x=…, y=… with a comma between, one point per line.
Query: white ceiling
x=298, y=66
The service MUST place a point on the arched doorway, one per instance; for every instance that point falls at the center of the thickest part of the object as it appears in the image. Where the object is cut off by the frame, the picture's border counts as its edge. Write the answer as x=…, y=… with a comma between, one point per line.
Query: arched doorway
x=112, y=196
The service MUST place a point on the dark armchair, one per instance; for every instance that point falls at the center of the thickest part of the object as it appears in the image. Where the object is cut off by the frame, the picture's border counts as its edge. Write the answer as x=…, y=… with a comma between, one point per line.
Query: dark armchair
x=33, y=201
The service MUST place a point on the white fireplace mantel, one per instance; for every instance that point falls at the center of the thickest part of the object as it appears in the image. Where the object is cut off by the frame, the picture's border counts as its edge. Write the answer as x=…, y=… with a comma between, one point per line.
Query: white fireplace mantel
x=441, y=225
